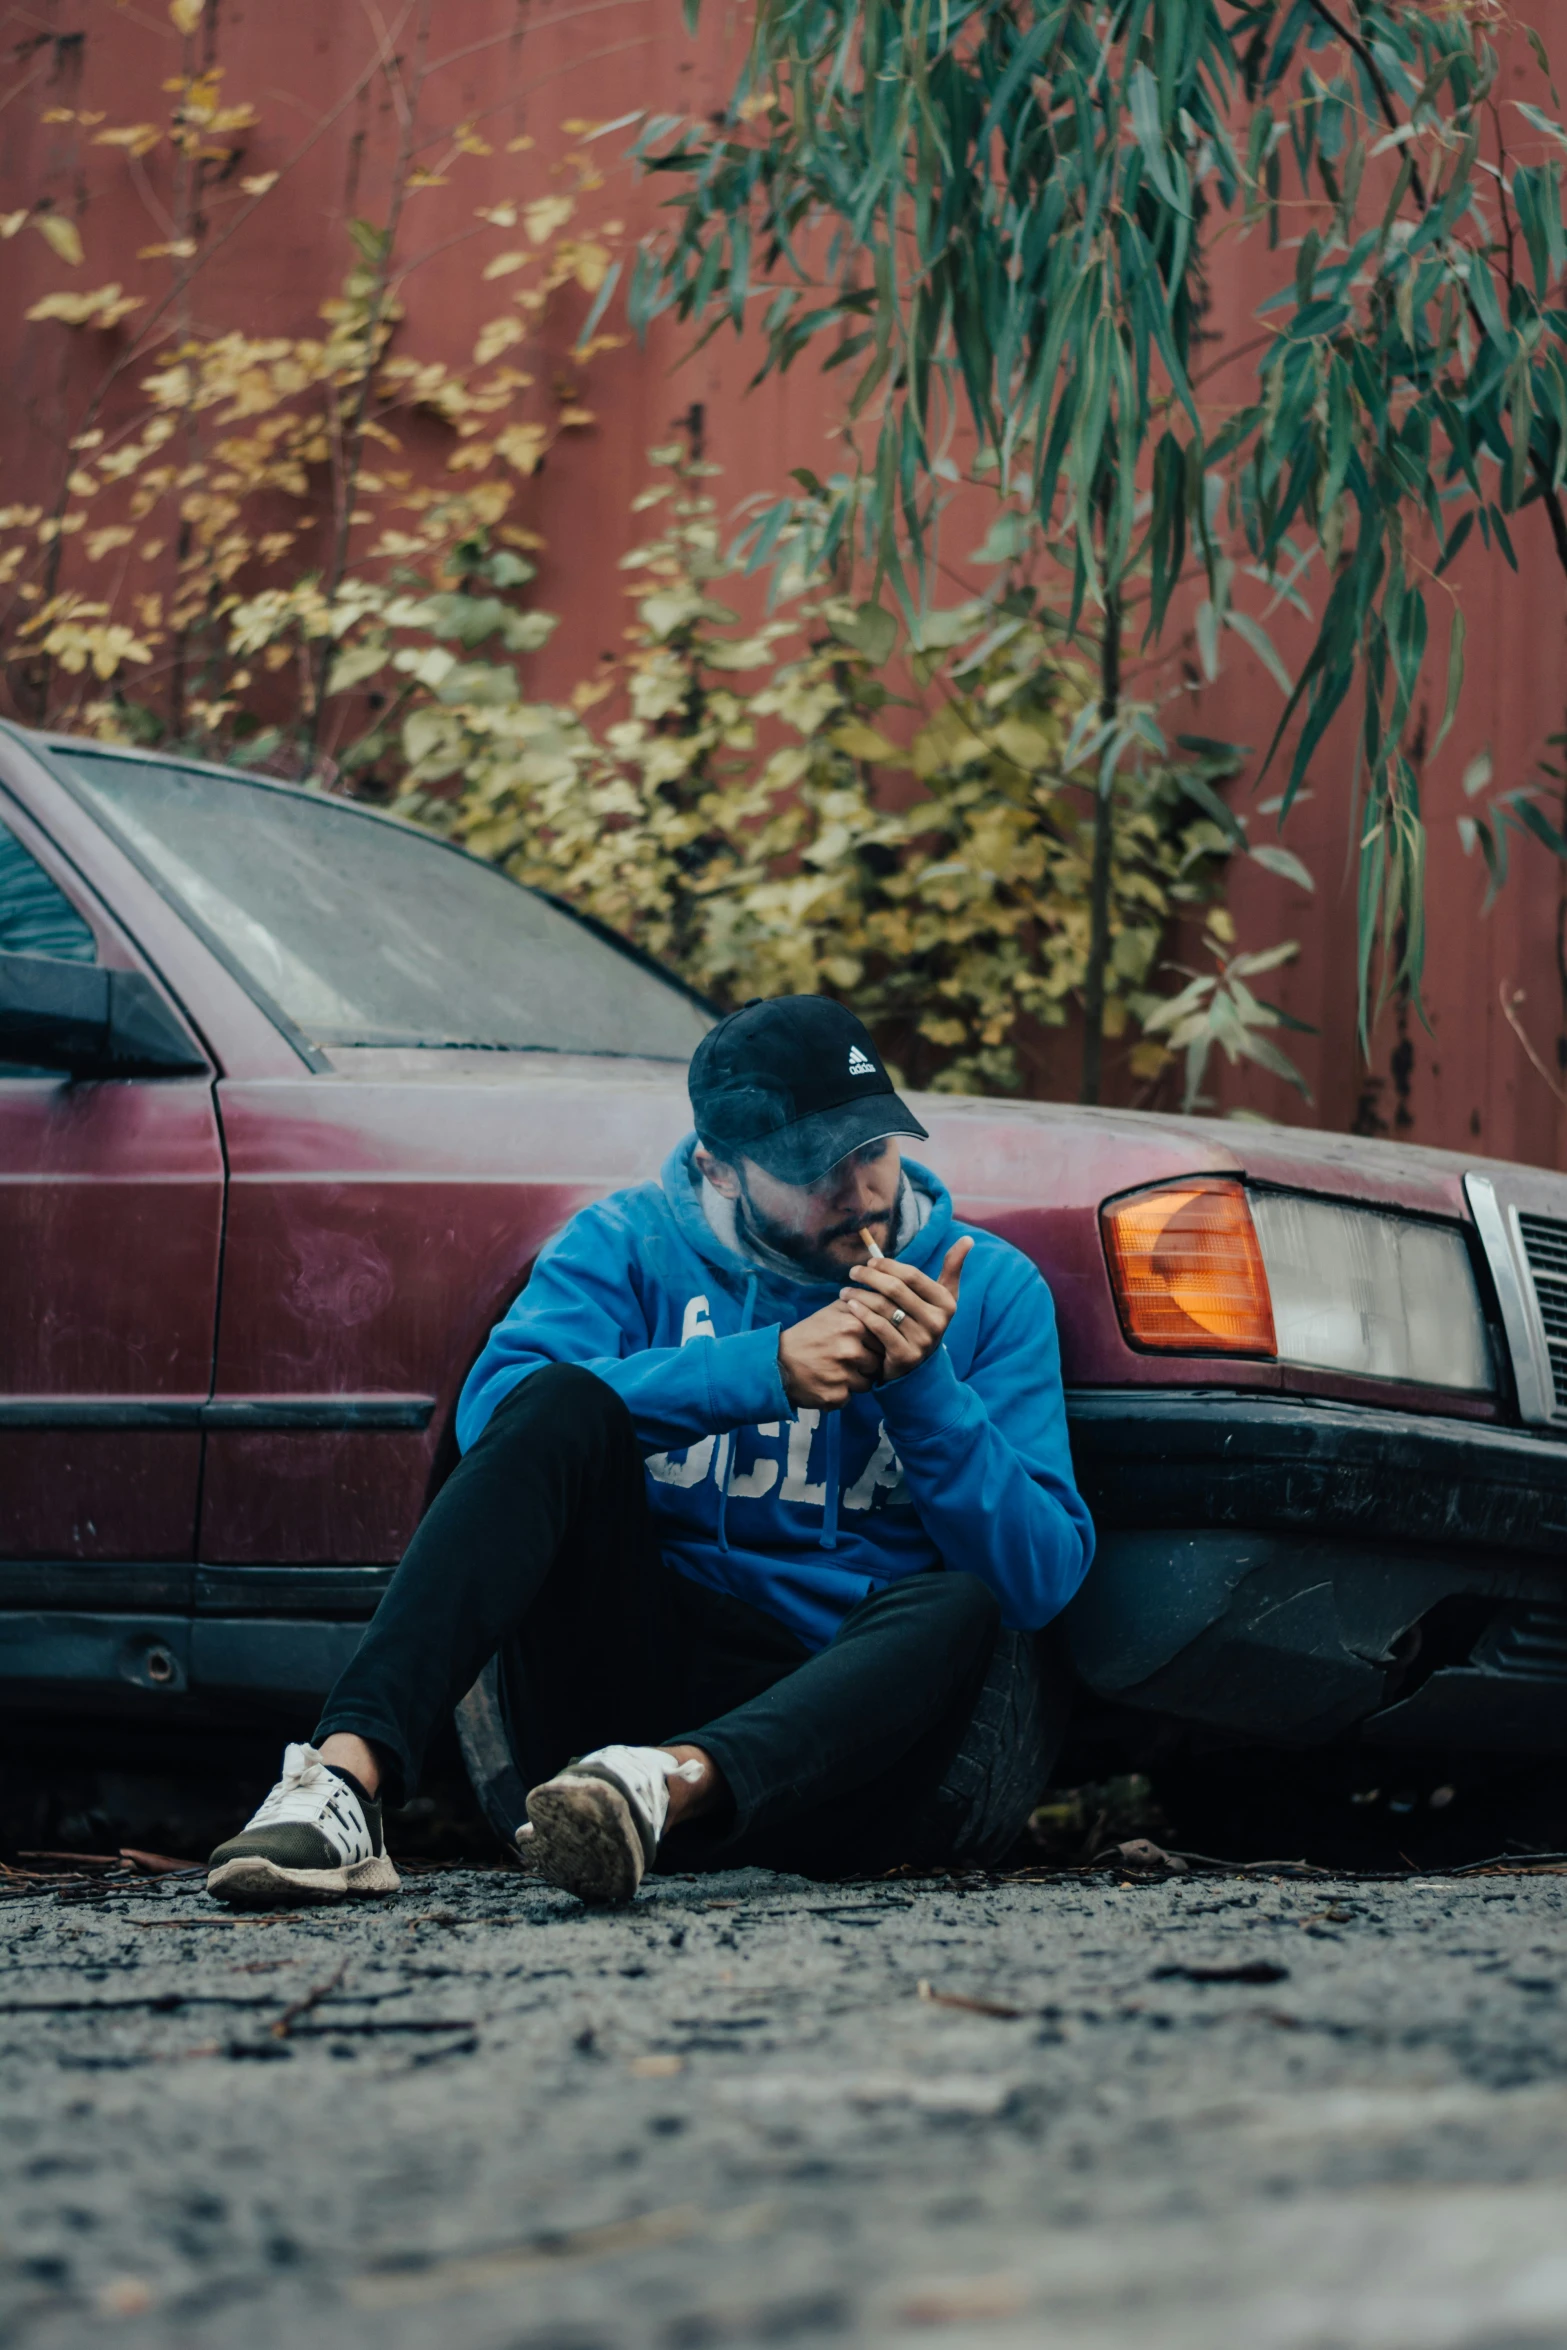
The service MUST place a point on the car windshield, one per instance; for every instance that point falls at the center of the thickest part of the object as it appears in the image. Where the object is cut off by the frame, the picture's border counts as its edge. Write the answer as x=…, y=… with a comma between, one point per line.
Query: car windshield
x=361, y=931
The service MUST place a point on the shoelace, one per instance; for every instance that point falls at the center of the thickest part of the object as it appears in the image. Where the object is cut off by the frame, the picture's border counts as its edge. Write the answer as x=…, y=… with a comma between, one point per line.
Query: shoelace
x=304, y=1789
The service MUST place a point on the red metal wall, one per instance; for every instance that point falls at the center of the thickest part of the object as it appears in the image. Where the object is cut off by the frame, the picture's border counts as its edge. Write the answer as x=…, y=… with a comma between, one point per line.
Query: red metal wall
x=328, y=125
x=1465, y=1083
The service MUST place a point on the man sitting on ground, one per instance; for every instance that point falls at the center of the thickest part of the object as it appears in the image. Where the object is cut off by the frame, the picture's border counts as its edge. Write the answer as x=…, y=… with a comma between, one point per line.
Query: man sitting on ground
x=760, y=1521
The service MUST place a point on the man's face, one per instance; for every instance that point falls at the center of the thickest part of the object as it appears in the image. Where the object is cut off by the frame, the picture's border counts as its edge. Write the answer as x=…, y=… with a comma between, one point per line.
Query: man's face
x=817, y=1225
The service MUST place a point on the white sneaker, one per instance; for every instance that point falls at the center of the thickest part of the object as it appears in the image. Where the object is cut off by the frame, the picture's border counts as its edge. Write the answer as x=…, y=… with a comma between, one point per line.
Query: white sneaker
x=595, y=1826
x=314, y=1839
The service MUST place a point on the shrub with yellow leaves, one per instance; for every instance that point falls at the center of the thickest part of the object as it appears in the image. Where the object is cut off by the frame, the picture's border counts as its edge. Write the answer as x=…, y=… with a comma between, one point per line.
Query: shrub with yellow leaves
x=769, y=815
x=263, y=514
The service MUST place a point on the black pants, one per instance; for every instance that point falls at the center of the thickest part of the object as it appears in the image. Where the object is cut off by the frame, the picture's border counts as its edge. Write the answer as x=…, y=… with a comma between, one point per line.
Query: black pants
x=922, y=1733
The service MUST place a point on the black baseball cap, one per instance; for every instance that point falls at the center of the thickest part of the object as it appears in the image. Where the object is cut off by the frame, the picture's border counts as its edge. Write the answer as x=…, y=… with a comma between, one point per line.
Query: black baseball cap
x=794, y=1082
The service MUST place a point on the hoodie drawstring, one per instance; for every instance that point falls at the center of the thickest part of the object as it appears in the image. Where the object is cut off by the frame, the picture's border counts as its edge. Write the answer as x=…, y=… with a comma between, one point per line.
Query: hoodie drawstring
x=829, y=1534
x=726, y=1441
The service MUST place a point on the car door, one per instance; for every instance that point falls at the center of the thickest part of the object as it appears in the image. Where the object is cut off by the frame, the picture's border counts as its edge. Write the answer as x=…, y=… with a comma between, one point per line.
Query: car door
x=111, y=1211
x=388, y=1186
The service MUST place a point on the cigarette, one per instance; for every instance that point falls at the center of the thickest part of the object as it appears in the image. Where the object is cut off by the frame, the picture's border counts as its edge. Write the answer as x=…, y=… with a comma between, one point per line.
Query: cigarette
x=870, y=1244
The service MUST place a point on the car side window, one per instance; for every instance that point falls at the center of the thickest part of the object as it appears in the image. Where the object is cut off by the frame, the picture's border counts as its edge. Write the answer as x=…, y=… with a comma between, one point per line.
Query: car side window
x=36, y=916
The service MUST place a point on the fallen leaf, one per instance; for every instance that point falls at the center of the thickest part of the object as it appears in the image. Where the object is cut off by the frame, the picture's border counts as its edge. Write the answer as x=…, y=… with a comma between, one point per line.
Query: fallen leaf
x=1141, y=1854
x=160, y=1864
x=124, y=2297
x=961, y=1999
x=966, y=2298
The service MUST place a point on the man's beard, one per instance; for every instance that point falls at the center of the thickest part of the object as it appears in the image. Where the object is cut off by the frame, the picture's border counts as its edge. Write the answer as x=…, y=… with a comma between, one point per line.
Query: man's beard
x=809, y=1256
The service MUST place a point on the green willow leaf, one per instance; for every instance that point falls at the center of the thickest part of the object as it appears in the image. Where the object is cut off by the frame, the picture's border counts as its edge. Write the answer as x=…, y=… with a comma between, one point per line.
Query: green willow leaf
x=1251, y=632
x=1283, y=862
x=1455, y=678
x=992, y=205
x=1144, y=95
x=1196, y=787
x=1530, y=814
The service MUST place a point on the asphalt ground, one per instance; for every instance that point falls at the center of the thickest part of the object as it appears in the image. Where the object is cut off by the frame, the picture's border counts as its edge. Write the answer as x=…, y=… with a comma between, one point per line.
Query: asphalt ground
x=1285, y=2113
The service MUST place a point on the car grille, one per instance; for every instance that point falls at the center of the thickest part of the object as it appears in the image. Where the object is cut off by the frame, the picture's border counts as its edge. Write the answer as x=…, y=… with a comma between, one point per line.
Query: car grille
x=1530, y=1642
x=1545, y=1246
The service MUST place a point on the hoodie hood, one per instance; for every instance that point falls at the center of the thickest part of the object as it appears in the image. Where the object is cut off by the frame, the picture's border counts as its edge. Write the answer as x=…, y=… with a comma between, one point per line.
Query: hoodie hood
x=782, y=1296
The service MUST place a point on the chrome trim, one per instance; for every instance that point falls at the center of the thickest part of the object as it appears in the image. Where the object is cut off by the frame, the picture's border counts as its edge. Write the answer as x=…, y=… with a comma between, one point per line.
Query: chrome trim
x=1502, y=1242
x=229, y=1412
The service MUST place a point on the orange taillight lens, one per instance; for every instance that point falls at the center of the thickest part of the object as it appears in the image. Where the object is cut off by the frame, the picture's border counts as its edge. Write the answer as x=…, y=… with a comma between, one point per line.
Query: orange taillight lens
x=1187, y=1271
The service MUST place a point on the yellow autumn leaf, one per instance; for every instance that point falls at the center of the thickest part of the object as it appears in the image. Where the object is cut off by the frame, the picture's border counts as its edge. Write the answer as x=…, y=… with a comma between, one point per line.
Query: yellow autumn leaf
x=545, y=215
x=74, y=646
x=522, y=445
x=589, y=264
x=139, y=137
x=504, y=264
x=864, y=742
x=495, y=336
x=1027, y=742
x=10, y=222
x=259, y=182
x=185, y=15
x=105, y=308
x=61, y=235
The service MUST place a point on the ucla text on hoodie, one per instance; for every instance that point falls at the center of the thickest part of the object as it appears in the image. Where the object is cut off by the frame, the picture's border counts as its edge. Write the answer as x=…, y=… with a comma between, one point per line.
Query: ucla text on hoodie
x=963, y=1463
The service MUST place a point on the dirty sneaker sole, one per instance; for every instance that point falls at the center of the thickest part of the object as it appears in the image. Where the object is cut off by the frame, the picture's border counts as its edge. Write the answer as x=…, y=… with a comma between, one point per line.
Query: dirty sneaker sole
x=252, y=1882
x=585, y=1839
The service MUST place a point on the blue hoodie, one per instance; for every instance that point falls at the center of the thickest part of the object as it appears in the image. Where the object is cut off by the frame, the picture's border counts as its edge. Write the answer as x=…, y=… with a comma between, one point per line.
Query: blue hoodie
x=963, y=1462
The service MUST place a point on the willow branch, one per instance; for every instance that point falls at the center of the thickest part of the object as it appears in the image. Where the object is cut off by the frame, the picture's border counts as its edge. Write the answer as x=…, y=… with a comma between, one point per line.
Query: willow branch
x=1353, y=41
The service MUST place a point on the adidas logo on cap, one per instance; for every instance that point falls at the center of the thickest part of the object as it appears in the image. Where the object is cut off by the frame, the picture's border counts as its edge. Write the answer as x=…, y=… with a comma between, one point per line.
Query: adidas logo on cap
x=860, y=1064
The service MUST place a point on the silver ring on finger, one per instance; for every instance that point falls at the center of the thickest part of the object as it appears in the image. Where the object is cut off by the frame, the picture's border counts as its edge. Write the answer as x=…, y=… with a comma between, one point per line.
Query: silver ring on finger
x=899, y=1317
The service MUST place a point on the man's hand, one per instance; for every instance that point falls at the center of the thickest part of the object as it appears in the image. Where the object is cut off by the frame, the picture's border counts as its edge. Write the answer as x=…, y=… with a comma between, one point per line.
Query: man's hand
x=827, y=1358
x=905, y=1312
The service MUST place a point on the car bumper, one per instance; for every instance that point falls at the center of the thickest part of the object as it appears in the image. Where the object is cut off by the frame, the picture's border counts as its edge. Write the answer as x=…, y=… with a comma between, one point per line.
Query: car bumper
x=1278, y=1569
x=1268, y=1568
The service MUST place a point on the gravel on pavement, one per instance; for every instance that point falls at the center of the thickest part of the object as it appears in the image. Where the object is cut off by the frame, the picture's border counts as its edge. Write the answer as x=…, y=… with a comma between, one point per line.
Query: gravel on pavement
x=1278, y=2113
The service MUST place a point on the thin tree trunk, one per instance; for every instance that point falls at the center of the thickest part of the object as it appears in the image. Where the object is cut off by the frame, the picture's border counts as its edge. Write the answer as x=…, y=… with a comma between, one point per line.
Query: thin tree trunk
x=1099, y=887
x=406, y=95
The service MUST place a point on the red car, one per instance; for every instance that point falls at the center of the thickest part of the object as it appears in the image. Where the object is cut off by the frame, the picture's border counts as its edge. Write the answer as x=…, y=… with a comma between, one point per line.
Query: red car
x=291, y=1096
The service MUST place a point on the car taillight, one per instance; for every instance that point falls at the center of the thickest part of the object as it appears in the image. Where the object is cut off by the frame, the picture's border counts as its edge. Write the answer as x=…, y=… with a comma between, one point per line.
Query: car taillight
x=1187, y=1271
